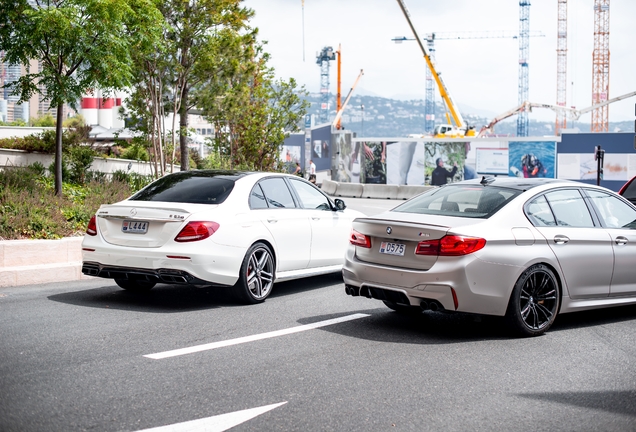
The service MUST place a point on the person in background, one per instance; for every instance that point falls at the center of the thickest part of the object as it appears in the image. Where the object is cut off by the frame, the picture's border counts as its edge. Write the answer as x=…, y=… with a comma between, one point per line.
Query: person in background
x=312, y=171
x=440, y=174
x=297, y=171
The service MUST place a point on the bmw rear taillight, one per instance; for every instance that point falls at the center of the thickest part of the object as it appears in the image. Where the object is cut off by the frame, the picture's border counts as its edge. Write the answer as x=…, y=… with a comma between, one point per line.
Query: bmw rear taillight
x=359, y=239
x=91, y=229
x=450, y=245
x=195, y=231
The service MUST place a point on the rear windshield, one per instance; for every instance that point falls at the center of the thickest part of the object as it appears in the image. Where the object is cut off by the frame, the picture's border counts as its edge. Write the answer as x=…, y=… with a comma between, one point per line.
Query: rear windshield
x=630, y=191
x=472, y=201
x=188, y=187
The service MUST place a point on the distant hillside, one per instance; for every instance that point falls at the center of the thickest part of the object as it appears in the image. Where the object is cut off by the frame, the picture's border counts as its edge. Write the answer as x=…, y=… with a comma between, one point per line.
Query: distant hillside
x=385, y=117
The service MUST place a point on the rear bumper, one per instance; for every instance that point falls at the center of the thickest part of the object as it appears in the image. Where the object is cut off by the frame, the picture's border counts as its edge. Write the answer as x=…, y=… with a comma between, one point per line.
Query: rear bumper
x=206, y=262
x=169, y=276
x=478, y=286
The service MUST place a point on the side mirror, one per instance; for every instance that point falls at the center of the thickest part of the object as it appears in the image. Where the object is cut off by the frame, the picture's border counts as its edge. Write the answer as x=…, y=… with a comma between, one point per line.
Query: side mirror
x=340, y=204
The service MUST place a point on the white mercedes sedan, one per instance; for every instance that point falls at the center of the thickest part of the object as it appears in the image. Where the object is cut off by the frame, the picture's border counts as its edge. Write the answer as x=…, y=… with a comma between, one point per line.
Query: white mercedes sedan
x=526, y=249
x=220, y=228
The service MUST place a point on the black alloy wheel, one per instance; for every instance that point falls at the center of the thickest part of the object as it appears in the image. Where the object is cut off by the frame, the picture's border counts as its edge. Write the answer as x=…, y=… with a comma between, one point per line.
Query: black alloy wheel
x=257, y=274
x=534, y=302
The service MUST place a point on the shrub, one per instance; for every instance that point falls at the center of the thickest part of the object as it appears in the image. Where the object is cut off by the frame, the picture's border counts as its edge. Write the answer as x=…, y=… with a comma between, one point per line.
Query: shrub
x=30, y=210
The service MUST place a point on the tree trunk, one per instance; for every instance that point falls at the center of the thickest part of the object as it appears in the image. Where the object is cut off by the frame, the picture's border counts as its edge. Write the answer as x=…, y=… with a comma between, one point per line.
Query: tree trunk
x=183, y=129
x=58, y=150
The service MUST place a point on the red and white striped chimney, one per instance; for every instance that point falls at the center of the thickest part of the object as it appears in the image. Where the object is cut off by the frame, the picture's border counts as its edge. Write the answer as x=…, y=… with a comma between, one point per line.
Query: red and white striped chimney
x=89, y=108
x=105, y=112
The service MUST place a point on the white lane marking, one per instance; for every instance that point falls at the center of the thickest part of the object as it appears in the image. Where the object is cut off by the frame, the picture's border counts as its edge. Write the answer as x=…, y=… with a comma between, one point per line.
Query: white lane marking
x=230, y=342
x=217, y=423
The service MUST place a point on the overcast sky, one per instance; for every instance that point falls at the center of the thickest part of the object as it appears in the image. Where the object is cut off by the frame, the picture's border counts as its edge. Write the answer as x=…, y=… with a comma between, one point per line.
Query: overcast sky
x=480, y=74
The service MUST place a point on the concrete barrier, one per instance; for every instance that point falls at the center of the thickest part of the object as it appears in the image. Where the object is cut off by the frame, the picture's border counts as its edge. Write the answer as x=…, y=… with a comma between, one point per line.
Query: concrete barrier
x=26, y=262
x=329, y=187
x=405, y=192
x=349, y=190
x=379, y=191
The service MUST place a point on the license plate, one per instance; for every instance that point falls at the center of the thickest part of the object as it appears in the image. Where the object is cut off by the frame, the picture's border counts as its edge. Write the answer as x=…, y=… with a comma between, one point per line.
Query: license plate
x=392, y=248
x=135, y=227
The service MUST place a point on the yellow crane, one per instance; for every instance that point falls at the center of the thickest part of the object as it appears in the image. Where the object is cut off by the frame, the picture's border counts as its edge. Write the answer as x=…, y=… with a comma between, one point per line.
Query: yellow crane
x=459, y=128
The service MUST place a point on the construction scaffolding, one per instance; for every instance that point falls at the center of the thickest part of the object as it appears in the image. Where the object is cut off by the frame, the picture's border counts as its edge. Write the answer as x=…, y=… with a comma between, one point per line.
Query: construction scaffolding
x=524, y=52
x=562, y=64
x=600, y=66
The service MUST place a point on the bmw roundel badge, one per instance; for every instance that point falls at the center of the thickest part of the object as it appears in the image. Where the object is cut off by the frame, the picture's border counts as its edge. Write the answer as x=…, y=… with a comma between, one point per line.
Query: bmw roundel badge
x=389, y=230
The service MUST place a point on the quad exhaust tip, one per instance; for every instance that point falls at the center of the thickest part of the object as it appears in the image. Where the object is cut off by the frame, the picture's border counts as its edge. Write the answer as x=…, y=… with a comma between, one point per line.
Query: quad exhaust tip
x=352, y=290
x=432, y=305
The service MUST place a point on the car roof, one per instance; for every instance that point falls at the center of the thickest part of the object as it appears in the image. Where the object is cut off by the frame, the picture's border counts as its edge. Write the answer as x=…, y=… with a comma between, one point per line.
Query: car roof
x=518, y=183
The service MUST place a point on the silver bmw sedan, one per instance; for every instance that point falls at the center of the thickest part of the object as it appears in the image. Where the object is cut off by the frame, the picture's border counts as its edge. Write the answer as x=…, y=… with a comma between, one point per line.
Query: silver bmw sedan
x=526, y=249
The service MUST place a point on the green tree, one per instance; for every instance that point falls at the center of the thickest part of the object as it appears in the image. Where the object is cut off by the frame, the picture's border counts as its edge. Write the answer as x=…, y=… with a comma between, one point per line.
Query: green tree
x=253, y=112
x=195, y=27
x=80, y=44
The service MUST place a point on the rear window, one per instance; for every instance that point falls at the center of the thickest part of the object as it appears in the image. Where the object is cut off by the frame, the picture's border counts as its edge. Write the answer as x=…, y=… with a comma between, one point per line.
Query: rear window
x=630, y=191
x=460, y=200
x=193, y=187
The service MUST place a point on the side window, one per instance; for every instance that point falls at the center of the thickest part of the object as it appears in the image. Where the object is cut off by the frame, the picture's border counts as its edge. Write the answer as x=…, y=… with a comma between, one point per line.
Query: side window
x=257, y=198
x=276, y=193
x=613, y=212
x=310, y=198
x=539, y=212
x=569, y=208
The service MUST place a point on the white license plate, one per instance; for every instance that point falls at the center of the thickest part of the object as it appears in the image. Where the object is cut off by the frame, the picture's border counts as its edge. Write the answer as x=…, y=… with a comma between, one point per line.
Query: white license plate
x=392, y=248
x=135, y=227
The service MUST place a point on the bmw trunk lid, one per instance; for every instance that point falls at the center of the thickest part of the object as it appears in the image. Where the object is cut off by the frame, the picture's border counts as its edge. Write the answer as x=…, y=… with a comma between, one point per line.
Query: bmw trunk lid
x=393, y=242
x=144, y=225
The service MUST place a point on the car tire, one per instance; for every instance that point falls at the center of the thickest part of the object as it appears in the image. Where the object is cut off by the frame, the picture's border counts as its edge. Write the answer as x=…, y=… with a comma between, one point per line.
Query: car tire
x=135, y=285
x=401, y=309
x=534, y=302
x=256, y=277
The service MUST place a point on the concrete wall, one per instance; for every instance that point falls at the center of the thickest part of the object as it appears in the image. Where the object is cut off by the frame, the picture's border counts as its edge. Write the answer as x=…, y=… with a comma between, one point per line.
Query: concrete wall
x=374, y=191
x=10, y=157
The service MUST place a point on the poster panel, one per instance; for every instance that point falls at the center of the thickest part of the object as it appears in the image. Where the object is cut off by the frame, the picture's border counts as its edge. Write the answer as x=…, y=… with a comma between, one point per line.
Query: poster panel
x=491, y=161
x=583, y=166
x=532, y=159
x=405, y=163
x=347, y=165
x=372, y=158
x=444, y=162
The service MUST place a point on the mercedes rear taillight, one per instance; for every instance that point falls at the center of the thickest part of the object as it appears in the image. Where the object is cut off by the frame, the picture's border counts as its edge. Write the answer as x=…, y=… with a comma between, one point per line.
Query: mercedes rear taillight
x=195, y=231
x=91, y=229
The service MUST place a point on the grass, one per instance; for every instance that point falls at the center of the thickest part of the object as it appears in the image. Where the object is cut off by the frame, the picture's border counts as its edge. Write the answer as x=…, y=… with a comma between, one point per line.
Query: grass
x=30, y=210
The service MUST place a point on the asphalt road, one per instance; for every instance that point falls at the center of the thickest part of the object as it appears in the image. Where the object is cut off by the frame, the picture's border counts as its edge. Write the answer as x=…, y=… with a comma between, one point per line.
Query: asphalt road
x=89, y=356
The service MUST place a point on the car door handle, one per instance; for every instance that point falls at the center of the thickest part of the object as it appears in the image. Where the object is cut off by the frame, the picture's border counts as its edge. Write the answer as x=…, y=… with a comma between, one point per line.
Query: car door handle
x=316, y=217
x=272, y=220
x=561, y=239
x=620, y=240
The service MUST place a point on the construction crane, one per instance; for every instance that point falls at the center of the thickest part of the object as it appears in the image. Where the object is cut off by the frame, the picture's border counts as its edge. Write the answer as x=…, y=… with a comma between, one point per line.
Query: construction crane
x=600, y=66
x=572, y=113
x=336, y=121
x=524, y=77
x=322, y=59
x=338, y=93
x=459, y=128
x=562, y=64
x=429, y=104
